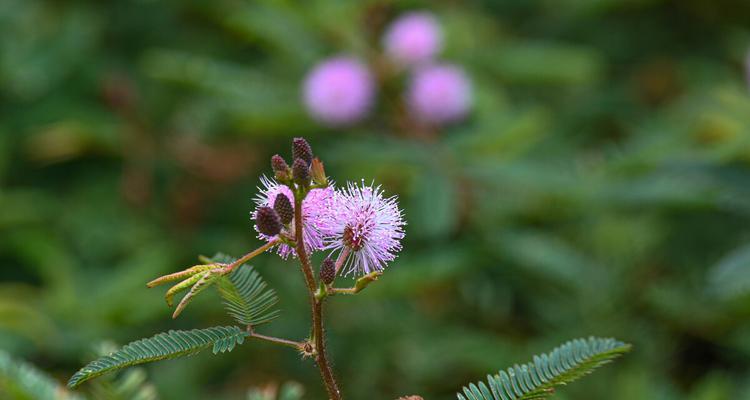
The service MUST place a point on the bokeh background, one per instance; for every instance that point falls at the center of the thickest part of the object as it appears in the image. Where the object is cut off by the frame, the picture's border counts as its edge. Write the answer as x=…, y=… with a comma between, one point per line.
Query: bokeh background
x=600, y=186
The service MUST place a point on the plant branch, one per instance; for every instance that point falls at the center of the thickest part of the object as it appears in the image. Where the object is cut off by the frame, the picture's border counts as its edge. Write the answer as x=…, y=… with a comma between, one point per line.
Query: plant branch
x=316, y=305
x=359, y=286
x=247, y=257
x=300, y=346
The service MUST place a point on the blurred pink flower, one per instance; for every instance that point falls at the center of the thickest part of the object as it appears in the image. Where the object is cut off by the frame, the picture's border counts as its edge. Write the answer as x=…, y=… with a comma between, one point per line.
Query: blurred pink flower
x=339, y=91
x=413, y=39
x=439, y=94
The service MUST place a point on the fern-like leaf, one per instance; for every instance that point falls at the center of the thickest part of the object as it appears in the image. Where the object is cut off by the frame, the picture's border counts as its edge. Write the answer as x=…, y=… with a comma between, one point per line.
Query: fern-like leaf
x=163, y=346
x=21, y=380
x=246, y=298
x=538, y=379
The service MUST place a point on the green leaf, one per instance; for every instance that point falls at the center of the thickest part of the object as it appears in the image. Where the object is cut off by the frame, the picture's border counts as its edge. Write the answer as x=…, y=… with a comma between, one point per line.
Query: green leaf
x=538, y=379
x=246, y=298
x=163, y=346
x=730, y=277
x=287, y=391
x=21, y=380
x=205, y=280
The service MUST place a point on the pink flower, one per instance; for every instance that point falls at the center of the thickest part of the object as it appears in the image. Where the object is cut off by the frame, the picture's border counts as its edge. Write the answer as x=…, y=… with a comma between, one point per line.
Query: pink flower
x=413, y=39
x=315, y=210
x=367, y=226
x=439, y=94
x=339, y=91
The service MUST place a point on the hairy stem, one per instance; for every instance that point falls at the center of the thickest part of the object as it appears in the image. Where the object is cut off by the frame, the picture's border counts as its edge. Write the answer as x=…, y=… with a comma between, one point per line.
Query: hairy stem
x=250, y=255
x=284, y=342
x=316, y=305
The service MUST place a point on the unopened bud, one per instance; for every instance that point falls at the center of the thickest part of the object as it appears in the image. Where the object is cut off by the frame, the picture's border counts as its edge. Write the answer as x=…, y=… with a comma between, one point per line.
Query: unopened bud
x=284, y=208
x=301, y=172
x=280, y=167
x=302, y=150
x=268, y=221
x=327, y=271
x=318, y=173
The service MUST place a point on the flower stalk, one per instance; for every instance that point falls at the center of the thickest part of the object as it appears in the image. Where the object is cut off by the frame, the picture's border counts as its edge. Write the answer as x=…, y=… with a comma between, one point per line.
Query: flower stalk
x=316, y=305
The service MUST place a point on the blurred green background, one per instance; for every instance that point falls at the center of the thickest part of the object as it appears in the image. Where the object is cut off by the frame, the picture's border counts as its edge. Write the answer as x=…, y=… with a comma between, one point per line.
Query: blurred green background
x=600, y=187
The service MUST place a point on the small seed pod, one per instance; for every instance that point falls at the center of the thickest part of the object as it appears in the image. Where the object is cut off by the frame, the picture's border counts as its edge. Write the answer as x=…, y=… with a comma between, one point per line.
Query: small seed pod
x=280, y=167
x=301, y=172
x=302, y=150
x=284, y=208
x=268, y=221
x=327, y=271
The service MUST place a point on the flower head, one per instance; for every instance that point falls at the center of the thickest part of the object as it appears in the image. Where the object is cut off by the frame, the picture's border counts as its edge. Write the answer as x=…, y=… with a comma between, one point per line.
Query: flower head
x=365, y=225
x=439, y=94
x=315, y=210
x=339, y=91
x=413, y=39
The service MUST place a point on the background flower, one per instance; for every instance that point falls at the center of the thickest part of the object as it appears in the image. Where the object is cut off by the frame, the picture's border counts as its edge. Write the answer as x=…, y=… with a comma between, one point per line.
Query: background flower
x=414, y=38
x=439, y=94
x=339, y=91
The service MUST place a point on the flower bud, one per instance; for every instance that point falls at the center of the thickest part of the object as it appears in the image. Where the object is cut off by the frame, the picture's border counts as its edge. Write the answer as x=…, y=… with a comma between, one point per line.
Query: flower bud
x=302, y=150
x=327, y=271
x=284, y=208
x=318, y=173
x=268, y=221
x=301, y=172
x=280, y=167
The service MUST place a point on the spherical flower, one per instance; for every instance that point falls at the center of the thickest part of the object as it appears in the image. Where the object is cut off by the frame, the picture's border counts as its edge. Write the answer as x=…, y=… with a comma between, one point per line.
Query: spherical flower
x=339, y=91
x=439, y=94
x=413, y=39
x=315, y=210
x=365, y=225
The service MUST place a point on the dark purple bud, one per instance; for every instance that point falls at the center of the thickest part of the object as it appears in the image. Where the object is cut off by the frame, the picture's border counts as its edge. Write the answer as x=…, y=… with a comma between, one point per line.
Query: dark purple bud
x=302, y=150
x=284, y=208
x=280, y=167
x=268, y=221
x=327, y=271
x=301, y=172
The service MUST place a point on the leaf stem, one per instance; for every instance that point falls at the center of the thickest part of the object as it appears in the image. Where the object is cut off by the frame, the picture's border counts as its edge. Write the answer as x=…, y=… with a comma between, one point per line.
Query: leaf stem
x=300, y=346
x=359, y=286
x=316, y=305
x=229, y=268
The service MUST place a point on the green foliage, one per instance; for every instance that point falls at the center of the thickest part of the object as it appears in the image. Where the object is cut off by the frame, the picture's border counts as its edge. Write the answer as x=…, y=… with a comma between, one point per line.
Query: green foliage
x=600, y=183
x=163, y=346
x=20, y=380
x=132, y=384
x=730, y=277
x=538, y=379
x=245, y=295
x=287, y=391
